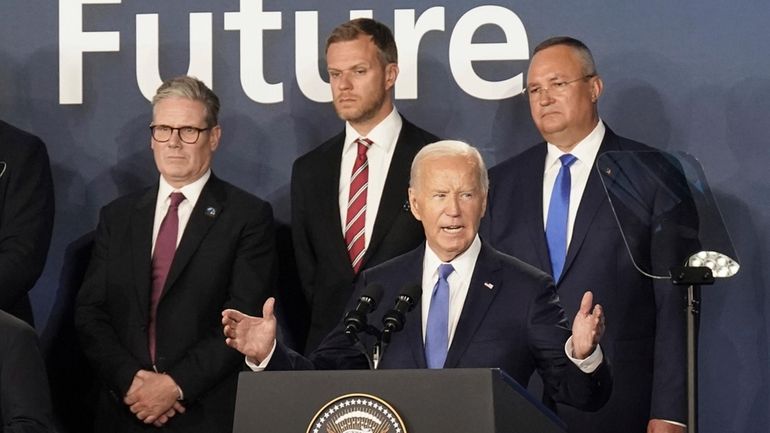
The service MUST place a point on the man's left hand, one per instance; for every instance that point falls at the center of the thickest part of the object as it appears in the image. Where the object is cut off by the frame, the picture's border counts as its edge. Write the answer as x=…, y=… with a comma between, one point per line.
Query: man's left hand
x=587, y=328
x=660, y=426
x=156, y=396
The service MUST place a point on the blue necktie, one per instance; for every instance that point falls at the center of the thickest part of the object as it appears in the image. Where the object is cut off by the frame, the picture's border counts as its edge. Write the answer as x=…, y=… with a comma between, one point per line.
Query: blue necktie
x=437, y=331
x=558, y=214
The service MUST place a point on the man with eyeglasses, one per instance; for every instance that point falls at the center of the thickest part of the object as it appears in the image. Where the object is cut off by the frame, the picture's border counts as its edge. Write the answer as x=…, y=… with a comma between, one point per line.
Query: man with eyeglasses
x=166, y=261
x=547, y=206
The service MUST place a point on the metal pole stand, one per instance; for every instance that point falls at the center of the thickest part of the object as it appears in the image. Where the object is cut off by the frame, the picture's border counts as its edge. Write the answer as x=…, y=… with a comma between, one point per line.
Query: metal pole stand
x=693, y=278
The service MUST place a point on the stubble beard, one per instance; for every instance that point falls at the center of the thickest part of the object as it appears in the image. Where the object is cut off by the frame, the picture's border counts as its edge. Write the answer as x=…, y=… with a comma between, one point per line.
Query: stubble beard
x=364, y=114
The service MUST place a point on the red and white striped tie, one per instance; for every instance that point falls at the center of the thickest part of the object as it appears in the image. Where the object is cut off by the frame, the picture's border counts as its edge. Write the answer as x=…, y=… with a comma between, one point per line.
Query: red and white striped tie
x=355, y=225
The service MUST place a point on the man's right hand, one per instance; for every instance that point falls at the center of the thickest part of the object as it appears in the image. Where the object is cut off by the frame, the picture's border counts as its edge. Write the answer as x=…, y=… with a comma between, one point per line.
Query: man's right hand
x=252, y=336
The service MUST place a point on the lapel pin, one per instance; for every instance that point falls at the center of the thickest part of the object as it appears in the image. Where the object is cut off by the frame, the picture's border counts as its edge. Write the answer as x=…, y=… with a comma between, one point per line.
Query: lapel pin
x=608, y=171
x=406, y=207
x=489, y=286
x=211, y=212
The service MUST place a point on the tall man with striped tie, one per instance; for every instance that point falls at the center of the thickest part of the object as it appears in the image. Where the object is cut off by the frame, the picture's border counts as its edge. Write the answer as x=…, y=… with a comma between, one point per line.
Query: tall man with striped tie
x=547, y=207
x=166, y=260
x=349, y=195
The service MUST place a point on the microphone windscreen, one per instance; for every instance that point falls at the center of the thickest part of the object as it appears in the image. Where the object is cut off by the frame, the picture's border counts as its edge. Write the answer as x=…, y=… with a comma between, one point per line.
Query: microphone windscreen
x=413, y=291
x=374, y=292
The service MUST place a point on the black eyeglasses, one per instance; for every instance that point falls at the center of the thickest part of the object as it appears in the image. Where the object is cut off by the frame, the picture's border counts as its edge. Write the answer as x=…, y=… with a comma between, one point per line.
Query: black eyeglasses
x=188, y=134
x=556, y=87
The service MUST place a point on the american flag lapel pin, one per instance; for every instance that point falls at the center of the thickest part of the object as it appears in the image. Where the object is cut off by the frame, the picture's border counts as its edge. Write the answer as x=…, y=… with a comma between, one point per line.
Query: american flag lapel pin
x=489, y=286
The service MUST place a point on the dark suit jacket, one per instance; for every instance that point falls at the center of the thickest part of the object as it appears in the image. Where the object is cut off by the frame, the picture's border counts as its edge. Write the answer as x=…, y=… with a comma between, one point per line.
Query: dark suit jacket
x=516, y=325
x=645, y=321
x=25, y=401
x=26, y=217
x=319, y=243
x=225, y=259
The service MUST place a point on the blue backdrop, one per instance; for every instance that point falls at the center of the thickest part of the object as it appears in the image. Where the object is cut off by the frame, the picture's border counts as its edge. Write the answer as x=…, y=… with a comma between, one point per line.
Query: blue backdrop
x=678, y=75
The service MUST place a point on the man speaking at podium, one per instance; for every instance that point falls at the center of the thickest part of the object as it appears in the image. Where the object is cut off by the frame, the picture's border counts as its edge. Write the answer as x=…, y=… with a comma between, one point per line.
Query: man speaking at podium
x=478, y=309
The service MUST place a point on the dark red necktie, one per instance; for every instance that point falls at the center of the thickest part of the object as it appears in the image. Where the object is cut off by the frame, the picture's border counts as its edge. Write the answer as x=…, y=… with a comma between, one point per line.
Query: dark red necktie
x=355, y=224
x=165, y=247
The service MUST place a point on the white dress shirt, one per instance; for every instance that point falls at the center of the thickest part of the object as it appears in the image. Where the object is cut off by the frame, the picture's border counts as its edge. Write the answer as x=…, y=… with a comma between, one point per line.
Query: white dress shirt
x=191, y=193
x=379, y=155
x=585, y=152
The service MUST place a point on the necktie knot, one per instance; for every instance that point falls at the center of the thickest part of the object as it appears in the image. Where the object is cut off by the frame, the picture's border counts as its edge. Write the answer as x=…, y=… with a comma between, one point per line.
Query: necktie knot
x=567, y=160
x=363, y=146
x=444, y=270
x=176, y=199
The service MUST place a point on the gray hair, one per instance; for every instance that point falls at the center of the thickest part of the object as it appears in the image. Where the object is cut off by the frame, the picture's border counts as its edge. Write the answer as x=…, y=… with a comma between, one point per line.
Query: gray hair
x=581, y=49
x=190, y=88
x=447, y=148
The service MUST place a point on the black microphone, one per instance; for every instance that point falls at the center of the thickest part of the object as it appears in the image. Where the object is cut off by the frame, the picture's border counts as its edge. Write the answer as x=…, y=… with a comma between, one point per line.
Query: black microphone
x=355, y=320
x=395, y=318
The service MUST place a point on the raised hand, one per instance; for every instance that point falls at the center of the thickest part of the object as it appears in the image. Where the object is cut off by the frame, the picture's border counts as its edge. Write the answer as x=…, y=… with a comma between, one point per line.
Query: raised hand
x=588, y=327
x=252, y=336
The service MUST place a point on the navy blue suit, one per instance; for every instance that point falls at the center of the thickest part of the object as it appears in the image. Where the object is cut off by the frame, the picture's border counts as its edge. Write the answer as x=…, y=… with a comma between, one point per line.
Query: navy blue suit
x=645, y=320
x=516, y=325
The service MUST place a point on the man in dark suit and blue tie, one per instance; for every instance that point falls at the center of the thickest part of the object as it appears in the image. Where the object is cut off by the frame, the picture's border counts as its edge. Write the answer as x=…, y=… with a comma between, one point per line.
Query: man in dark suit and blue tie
x=166, y=260
x=478, y=308
x=348, y=195
x=547, y=207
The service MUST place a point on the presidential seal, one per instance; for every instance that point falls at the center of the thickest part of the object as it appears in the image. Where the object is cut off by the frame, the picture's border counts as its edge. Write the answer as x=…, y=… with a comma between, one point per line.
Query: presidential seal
x=357, y=413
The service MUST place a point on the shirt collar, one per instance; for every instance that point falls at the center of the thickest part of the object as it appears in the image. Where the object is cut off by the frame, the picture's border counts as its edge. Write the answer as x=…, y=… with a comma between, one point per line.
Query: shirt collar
x=382, y=135
x=585, y=151
x=463, y=264
x=191, y=191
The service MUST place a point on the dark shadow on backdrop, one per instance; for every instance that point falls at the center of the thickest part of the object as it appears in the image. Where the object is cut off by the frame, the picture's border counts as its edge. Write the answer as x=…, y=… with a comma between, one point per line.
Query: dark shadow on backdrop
x=69, y=373
x=742, y=301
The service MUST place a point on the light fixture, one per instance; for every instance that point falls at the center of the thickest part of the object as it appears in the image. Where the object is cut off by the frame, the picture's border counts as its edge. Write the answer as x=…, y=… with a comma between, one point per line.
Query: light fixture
x=720, y=264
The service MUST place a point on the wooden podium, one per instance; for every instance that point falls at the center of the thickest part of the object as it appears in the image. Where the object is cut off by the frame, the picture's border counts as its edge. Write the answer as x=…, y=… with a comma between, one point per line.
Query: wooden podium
x=426, y=401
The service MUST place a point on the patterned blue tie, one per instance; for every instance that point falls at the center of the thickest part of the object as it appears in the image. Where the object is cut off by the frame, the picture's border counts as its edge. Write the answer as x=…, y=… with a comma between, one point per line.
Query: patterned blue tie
x=437, y=331
x=558, y=214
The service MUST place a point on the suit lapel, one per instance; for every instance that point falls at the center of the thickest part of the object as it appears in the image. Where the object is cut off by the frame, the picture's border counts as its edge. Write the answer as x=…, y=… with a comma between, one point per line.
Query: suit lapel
x=327, y=200
x=480, y=297
x=207, y=210
x=394, y=193
x=412, y=268
x=533, y=174
x=593, y=198
x=141, y=222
